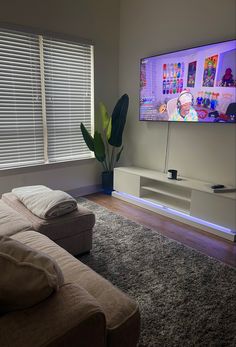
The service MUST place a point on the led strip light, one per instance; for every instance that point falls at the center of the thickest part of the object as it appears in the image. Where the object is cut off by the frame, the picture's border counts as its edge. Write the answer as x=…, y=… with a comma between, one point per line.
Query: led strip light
x=177, y=213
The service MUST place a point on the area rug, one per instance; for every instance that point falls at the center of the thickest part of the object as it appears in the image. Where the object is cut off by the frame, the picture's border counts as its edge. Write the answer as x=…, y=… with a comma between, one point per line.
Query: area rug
x=185, y=297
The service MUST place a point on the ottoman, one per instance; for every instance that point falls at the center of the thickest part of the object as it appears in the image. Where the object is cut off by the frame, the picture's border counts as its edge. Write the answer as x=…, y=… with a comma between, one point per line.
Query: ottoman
x=72, y=231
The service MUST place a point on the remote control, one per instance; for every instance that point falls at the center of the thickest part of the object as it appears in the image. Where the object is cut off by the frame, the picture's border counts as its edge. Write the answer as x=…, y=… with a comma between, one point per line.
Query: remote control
x=217, y=186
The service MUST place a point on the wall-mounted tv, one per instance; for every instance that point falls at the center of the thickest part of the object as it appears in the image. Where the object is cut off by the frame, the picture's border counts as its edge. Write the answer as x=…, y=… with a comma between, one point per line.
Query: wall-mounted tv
x=191, y=85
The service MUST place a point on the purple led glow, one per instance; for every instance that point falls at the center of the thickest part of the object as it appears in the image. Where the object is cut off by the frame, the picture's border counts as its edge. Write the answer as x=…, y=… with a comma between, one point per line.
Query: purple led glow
x=177, y=213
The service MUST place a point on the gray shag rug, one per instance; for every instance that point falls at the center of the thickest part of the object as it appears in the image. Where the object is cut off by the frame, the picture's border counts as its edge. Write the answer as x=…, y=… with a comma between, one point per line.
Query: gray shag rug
x=185, y=297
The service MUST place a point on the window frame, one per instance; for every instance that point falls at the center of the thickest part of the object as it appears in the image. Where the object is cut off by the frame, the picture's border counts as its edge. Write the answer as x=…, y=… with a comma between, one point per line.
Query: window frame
x=63, y=38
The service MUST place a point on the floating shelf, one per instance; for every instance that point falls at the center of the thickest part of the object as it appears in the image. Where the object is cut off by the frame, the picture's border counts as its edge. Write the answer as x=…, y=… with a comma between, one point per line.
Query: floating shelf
x=165, y=200
x=187, y=200
x=180, y=195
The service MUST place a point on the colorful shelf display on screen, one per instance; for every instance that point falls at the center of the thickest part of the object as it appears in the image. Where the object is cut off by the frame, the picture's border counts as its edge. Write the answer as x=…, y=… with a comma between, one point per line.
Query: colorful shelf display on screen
x=192, y=85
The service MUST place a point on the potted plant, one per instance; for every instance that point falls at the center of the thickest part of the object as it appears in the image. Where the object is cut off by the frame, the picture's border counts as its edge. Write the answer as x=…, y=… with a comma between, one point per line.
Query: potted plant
x=107, y=144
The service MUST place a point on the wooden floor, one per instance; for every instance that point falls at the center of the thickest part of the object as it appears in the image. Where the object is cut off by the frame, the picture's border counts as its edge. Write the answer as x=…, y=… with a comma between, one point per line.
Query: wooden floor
x=202, y=241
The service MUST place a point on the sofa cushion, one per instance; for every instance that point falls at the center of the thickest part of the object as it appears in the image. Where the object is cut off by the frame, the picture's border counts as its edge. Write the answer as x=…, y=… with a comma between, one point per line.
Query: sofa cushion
x=68, y=318
x=11, y=222
x=27, y=276
x=121, y=312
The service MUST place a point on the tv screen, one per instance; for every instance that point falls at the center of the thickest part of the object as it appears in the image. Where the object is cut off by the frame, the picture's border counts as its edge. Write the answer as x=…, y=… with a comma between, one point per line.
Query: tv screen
x=192, y=85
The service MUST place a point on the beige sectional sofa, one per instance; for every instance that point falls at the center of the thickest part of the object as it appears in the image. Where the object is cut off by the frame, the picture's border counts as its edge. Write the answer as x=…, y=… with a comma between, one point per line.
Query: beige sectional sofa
x=86, y=311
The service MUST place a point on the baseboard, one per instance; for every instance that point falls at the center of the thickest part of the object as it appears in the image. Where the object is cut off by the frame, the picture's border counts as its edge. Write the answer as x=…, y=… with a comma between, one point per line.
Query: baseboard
x=81, y=191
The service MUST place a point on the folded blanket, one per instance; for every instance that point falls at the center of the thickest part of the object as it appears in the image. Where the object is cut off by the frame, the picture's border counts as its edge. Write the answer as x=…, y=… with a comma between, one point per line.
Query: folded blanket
x=45, y=202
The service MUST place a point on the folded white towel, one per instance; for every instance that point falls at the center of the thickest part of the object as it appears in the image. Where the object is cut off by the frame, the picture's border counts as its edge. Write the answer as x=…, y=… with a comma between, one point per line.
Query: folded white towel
x=23, y=192
x=45, y=202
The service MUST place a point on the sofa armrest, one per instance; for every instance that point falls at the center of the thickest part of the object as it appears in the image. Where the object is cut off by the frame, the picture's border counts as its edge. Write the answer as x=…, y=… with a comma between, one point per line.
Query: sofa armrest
x=69, y=317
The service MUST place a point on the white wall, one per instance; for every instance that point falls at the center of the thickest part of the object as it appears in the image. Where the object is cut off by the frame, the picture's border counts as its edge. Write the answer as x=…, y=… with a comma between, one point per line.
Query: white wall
x=149, y=27
x=89, y=19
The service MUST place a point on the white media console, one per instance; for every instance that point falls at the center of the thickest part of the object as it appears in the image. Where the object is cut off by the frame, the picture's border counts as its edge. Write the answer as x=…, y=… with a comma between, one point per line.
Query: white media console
x=186, y=200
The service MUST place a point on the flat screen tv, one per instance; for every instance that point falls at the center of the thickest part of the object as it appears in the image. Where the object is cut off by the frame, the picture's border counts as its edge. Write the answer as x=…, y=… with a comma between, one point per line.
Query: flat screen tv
x=191, y=85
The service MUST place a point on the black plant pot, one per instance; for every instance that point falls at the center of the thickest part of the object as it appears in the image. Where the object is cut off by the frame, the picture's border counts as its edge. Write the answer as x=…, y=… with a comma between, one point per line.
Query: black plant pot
x=107, y=182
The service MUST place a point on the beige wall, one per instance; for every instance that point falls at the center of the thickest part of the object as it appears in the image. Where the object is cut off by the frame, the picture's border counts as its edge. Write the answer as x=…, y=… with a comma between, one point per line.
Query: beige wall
x=89, y=19
x=149, y=27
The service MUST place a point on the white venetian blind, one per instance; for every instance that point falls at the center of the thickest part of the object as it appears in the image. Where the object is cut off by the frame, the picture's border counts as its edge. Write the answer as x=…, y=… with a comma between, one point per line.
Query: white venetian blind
x=21, y=131
x=68, y=75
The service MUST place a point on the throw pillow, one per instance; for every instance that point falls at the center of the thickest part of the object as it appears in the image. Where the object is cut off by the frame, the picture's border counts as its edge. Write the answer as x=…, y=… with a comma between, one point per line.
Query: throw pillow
x=27, y=276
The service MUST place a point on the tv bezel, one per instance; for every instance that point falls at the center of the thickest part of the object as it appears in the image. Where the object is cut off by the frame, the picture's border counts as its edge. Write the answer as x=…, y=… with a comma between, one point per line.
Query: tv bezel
x=169, y=52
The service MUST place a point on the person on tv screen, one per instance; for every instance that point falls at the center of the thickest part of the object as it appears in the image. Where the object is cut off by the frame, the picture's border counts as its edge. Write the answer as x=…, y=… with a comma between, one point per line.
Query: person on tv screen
x=184, y=110
x=227, y=79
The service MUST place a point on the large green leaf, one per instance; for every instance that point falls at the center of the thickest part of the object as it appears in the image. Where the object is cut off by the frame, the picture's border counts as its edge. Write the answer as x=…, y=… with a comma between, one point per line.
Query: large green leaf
x=99, y=148
x=104, y=115
x=118, y=121
x=87, y=137
x=108, y=132
x=119, y=153
x=106, y=120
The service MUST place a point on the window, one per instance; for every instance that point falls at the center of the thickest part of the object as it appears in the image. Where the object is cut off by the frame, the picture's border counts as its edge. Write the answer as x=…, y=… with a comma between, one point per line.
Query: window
x=46, y=91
